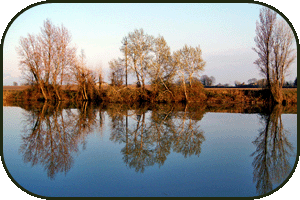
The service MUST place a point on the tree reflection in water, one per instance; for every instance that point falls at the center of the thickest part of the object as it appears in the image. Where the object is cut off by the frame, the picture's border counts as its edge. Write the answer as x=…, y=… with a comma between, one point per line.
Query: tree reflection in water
x=149, y=140
x=52, y=133
x=272, y=152
x=148, y=133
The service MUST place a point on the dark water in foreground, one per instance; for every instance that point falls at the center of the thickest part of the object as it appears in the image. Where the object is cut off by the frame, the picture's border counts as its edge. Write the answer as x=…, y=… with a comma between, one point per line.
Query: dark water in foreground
x=161, y=150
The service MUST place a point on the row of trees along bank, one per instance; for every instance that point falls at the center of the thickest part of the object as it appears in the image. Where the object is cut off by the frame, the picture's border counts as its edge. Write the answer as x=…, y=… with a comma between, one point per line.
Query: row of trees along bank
x=49, y=61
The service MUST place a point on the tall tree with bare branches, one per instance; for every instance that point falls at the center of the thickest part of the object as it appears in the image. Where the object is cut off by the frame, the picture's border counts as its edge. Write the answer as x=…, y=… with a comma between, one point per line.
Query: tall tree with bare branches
x=139, y=47
x=46, y=58
x=189, y=63
x=125, y=50
x=31, y=63
x=84, y=78
x=117, y=72
x=274, y=41
x=161, y=71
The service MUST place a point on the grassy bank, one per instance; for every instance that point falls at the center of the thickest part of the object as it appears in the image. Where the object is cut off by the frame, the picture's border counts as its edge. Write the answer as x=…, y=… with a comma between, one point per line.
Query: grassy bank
x=250, y=96
x=246, y=95
x=197, y=109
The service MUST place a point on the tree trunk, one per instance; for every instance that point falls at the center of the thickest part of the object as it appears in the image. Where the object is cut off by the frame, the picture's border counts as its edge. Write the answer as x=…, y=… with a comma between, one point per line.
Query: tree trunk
x=191, y=79
x=126, y=63
x=276, y=92
x=84, y=92
x=184, y=87
x=43, y=91
x=57, y=93
x=166, y=87
x=138, y=79
x=143, y=85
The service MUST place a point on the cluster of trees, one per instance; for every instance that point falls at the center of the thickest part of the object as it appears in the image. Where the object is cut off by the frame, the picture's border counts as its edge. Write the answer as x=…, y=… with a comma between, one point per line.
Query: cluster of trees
x=253, y=82
x=262, y=83
x=49, y=61
x=150, y=58
x=274, y=46
x=207, y=81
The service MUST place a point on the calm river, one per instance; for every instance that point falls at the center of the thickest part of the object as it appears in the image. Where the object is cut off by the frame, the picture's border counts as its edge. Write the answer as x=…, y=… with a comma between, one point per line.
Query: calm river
x=148, y=150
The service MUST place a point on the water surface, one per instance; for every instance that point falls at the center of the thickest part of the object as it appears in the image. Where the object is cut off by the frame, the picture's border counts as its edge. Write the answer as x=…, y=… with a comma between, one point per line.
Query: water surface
x=148, y=150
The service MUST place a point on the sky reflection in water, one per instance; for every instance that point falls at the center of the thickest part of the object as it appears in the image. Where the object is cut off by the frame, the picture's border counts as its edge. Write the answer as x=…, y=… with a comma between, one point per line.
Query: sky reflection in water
x=147, y=150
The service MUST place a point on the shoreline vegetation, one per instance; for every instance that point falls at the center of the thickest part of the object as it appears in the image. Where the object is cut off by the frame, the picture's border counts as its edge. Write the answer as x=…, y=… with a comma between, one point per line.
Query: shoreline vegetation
x=194, y=107
x=133, y=94
x=54, y=72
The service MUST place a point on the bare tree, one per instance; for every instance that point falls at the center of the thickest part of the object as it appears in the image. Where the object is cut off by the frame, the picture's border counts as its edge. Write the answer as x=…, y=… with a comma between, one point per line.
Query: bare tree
x=50, y=54
x=139, y=46
x=57, y=54
x=31, y=63
x=263, y=40
x=237, y=83
x=116, y=72
x=65, y=53
x=85, y=79
x=207, y=81
x=283, y=55
x=161, y=70
x=262, y=83
x=274, y=40
x=100, y=76
x=47, y=57
x=125, y=50
x=252, y=81
x=189, y=63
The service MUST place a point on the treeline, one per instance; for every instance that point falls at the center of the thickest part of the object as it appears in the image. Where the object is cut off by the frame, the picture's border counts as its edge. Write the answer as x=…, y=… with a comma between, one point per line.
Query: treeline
x=262, y=83
x=49, y=63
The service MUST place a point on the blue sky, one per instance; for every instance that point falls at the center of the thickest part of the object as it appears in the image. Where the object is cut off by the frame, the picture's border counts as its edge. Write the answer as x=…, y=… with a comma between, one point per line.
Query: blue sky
x=225, y=33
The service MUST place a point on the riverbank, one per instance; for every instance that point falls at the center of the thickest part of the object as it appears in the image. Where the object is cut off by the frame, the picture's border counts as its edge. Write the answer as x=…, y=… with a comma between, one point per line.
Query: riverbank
x=250, y=96
x=195, y=108
x=247, y=95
